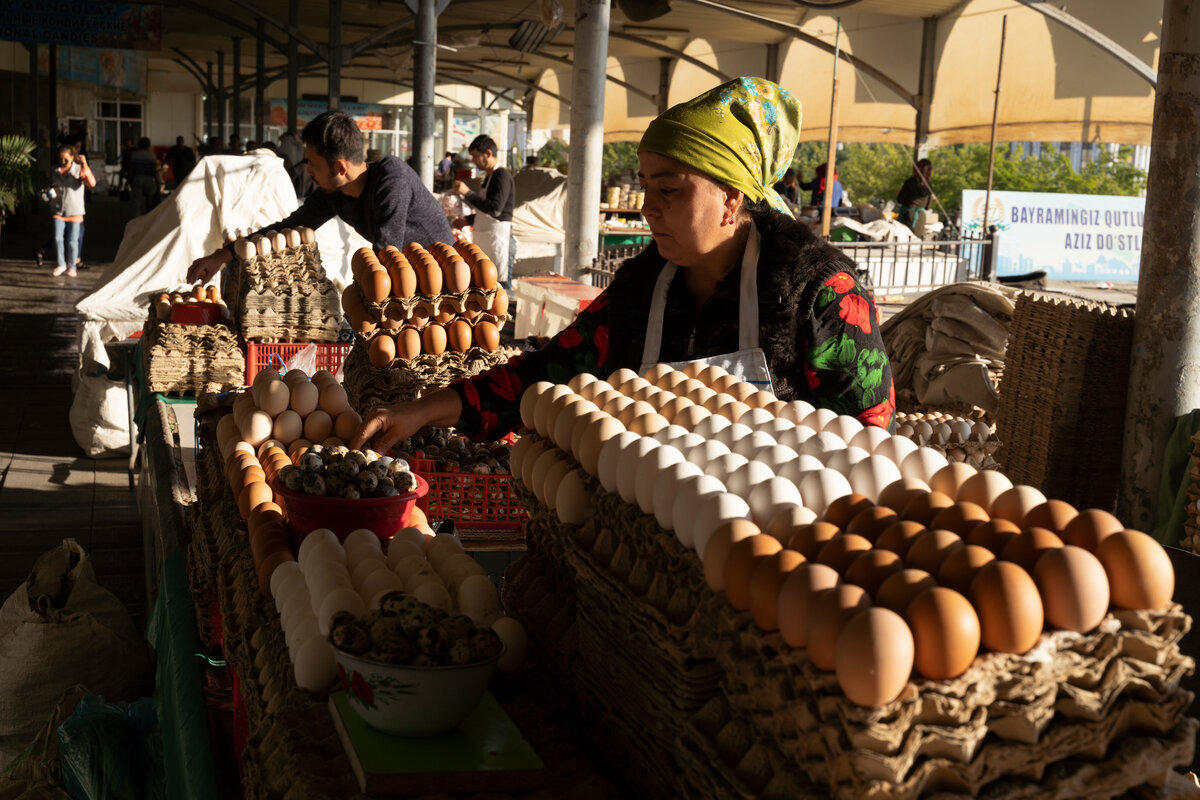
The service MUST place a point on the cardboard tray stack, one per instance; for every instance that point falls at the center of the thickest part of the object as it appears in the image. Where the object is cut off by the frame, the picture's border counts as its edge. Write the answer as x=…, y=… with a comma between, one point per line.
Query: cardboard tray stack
x=190, y=358
x=282, y=295
x=686, y=697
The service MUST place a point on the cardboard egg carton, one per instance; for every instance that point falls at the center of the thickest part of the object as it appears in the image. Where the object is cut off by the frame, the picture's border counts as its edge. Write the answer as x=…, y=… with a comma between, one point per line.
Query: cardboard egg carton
x=191, y=358
x=471, y=304
x=284, y=295
x=977, y=449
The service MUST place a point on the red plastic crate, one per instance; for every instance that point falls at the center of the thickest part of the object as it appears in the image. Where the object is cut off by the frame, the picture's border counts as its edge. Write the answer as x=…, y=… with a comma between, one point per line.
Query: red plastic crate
x=474, y=502
x=260, y=355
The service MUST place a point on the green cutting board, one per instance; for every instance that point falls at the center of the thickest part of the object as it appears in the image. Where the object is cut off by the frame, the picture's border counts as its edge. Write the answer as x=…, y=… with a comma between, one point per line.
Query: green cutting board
x=486, y=753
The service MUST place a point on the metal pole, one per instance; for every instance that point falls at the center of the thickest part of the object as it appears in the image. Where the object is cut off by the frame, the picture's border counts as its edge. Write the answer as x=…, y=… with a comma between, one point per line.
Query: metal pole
x=221, y=100
x=260, y=78
x=1164, y=375
x=33, y=95
x=925, y=92
x=293, y=69
x=424, y=71
x=235, y=108
x=831, y=157
x=587, y=138
x=987, y=198
x=664, y=84
x=210, y=97
x=335, y=54
x=53, y=81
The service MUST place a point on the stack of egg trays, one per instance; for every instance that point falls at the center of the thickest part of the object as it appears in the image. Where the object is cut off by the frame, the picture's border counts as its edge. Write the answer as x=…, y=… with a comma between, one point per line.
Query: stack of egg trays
x=191, y=358
x=284, y=296
x=368, y=386
x=777, y=726
x=1191, y=522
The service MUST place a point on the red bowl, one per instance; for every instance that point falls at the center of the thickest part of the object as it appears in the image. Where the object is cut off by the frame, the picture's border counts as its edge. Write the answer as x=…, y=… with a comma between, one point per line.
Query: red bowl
x=382, y=515
x=196, y=313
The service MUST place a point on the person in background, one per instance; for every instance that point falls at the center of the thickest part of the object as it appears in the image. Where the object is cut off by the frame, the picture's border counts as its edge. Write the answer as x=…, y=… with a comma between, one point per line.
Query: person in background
x=818, y=185
x=182, y=160
x=124, y=176
x=384, y=201
x=213, y=146
x=492, y=222
x=235, y=145
x=915, y=194
x=67, y=206
x=789, y=187
x=252, y=145
x=731, y=279
x=445, y=171
x=146, y=181
x=291, y=148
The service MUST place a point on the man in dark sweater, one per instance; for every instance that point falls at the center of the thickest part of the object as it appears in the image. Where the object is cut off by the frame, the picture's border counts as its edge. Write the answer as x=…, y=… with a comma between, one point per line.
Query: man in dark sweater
x=384, y=201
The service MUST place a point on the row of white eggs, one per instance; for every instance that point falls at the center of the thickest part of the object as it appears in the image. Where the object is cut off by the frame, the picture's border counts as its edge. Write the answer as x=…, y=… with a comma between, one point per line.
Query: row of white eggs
x=294, y=407
x=262, y=244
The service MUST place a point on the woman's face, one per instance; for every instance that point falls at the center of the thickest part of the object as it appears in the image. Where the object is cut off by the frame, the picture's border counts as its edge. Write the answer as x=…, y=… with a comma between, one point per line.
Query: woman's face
x=65, y=158
x=684, y=209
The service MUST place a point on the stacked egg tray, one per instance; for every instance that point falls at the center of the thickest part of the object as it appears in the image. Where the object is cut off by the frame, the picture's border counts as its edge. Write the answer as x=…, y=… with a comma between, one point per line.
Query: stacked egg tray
x=970, y=440
x=190, y=358
x=289, y=747
x=1191, y=522
x=666, y=672
x=283, y=296
x=1062, y=402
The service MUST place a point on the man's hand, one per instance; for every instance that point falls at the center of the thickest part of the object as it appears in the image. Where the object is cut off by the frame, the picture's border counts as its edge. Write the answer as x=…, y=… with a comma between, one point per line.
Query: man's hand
x=385, y=426
x=461, y=187
x=205, y=267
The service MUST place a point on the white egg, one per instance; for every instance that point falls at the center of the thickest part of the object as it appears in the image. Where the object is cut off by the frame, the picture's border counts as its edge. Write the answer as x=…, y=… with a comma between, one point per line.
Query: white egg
x=666, y=486
x=689, y=492
x=548, y=490
x=797, y=411
x=743, y=479
x=378, y=584
x=325, y=583
x=288, y=570
x=516, y=644
x=842, y=460
x=705, y=452
x=649, y=467
x=795, y=469
x=627, y=466
x=753, y=443
x=757, y=418
x=414, y=582
x=581, y=380
x=688, y=442
x=292, y=584
x=529, y=399
x=299, y=629
x=711, y=425
x=796, y=436
x=541, y=468
x=980, y=431
x=844, y=426
x=541, y=408
x=412, y=536
x=897, y=448
x=616, y=405
x=363, y=569
x=821, y=445
x=872, y=475
x=715, y=510
x=769, y=497
x=819, y=418
x=315, y=539
x=408, y=566
x=610, y=454
x=922, y=463
x=340, y=599
x=442, y=547
x=941, y=433
x=315, y=668
x=733, y=434
x=572, y=500
x=569, y=419
x=776, y=426
x=869, y=437
x=435, y=595
x=362, y=538
x=723, y=466
x=670, y=434
x=960, y=430
x=479, y=600
x=357, y=555
x=821, y=487
x=777, y=457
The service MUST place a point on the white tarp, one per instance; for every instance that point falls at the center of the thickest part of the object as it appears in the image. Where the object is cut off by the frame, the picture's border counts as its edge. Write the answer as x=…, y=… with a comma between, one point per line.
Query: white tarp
x=222, y=194
x=540, y=207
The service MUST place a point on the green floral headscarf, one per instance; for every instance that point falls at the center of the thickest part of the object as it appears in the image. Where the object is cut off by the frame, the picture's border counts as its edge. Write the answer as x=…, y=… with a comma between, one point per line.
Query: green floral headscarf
x=742, y=133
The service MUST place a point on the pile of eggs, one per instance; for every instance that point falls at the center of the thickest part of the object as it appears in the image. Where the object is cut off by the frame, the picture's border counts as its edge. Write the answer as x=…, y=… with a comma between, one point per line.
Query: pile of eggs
x=198, y=294
x=349, y=474
x=940, y=428
x=332, y=577
x=878, y=555
x=295, y=411
x=264, y=244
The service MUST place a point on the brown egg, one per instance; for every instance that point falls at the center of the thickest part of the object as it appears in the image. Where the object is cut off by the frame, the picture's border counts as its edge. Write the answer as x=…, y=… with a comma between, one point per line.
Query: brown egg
x=456, y=275
x=874, y=657
x=499, y=303
x=787, y=521
x=950, y=478
x=871, y=522
x=318, y=426
x=995, y=534
x=212, y=294
x=360, y=266
x=394, y=314
x=831, y=610
x=264, y=513
x=1090, y=528
x=796, y=596
x=1139, y=570
x=1026, y=547
x=266, y=539
x=382, y=349
x=961, y=518
x=433, y=339
x=945, y=631
x=766, y=580
x=458, y=334
x=898, y=494
x=253, y=495
x=870, y=569
x=720, y=542
x=923, y=508
x=899, y=588
x=983, y=488
x=1074, y=588
x=1009, y=607
x=743, y=557
x=404, y=279
x=810, y=538
x=378, y=286
x=1013, y=504
x=673, y=408
x=487, y=335
x=485, y=274
x=962, y=565
x=930, y=549
x=1054, y=515
x=840, y=551
x=429, y=275
x=899, y=536
x=346, y=424
x=408, y=343
x=845, y=508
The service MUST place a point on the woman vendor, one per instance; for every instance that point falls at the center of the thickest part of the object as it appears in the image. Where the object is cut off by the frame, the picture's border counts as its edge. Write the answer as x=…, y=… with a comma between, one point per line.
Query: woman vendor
x=730, y=278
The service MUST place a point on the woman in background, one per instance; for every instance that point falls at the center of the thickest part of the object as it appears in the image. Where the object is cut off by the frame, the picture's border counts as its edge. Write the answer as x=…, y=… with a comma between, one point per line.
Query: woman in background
x=67, y=206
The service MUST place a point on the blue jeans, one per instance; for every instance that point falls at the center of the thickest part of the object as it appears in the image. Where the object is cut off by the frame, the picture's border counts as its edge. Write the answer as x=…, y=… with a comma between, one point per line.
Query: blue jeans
x=71, y=244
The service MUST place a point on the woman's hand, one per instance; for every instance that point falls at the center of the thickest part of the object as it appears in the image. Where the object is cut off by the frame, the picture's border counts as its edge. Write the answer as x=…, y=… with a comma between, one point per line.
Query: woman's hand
x=387, y=425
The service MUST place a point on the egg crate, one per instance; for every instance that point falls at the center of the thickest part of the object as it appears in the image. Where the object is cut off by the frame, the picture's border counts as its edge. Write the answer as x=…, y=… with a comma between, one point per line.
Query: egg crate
x=191, y=358
x=290, y=326
x=533, y=594
x=401, y=309
x=369, y=386
x=283, y=296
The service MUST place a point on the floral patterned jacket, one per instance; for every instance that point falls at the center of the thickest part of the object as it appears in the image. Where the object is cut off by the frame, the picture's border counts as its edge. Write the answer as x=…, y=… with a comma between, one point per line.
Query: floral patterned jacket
x=818, y=328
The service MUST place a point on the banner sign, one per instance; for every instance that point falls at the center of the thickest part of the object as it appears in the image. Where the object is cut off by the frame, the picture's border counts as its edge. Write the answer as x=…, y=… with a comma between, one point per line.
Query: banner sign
x=1073, y=237
x=368, y=116
x=85, y=23
x=116, y=69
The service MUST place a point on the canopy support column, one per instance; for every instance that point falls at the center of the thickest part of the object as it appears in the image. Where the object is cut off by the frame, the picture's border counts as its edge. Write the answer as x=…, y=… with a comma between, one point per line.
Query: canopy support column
x=210, y=97
x=925, y=92
x=664, y=84
x=335, y=54
x=221, y=99
x=53, y=100
x=1164, y=375
x=293, y=65
x=260, y=80
x=424, y=80
x=235, y=107
x=772, y=67
x=33, y=96
x=587, y=138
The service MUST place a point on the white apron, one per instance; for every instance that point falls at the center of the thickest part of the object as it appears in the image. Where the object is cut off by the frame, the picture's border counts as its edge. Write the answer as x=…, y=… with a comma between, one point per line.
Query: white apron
x=749, y=362
x=492, y=236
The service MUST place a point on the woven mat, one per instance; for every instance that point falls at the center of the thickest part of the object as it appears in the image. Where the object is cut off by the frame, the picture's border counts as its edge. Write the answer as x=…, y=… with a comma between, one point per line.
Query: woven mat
x=1062, y=404
x=369, y=386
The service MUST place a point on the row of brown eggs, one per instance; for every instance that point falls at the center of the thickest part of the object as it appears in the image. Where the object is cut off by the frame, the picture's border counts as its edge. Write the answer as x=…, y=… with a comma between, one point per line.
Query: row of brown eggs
x=272, y=241
x=415, y=270
x=434, y=339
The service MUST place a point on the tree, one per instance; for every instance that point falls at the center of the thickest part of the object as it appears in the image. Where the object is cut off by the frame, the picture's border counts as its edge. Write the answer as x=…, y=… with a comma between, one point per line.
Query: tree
x=16, y=171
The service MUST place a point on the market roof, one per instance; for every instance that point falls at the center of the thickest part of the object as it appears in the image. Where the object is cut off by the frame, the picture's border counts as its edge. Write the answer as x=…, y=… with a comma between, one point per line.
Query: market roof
x=1079, y=70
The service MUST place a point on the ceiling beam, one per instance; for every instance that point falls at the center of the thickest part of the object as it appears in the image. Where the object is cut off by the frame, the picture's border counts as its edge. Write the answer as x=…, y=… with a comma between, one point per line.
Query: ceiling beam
x=1117, y=51
x=320, y=50
x=662, y=48
x=527, y=84
x=208, y=11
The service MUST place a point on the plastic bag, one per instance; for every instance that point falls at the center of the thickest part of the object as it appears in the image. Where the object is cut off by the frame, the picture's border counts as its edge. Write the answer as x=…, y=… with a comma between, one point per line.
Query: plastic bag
x=111, y=751
x=452, y=205
x=305, y=360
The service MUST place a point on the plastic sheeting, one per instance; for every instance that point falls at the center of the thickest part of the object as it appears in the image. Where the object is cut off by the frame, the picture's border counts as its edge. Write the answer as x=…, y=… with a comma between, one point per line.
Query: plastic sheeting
x=539, y=214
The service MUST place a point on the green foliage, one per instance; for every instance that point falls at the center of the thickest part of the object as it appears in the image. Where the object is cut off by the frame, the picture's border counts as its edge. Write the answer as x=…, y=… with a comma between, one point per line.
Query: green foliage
x=554, y=153
x=16, y=171
x=617, y=158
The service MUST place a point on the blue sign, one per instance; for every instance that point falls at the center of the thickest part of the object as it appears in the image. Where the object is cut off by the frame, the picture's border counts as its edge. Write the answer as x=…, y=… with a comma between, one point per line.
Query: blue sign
x=86, y=23
x=1073, y=237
